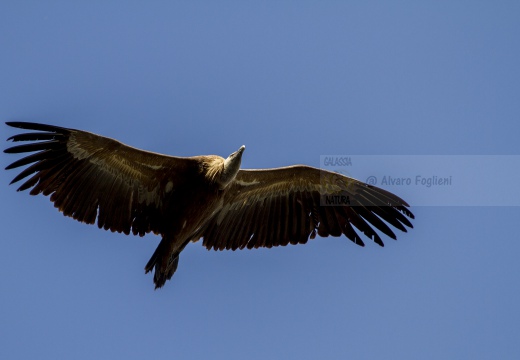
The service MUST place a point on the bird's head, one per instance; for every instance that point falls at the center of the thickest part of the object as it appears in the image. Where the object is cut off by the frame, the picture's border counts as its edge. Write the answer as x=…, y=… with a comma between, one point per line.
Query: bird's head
x=231, y=167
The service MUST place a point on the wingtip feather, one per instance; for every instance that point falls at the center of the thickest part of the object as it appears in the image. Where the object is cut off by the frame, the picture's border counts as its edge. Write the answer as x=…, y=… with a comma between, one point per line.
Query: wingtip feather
x=34, y=126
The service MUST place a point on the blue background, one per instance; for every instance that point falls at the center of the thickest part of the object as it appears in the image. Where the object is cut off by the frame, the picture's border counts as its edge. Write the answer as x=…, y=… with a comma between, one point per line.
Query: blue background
x=292, y=80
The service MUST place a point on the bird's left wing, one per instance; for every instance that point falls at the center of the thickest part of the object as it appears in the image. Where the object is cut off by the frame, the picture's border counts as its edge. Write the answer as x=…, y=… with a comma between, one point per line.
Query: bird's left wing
x=275, y=207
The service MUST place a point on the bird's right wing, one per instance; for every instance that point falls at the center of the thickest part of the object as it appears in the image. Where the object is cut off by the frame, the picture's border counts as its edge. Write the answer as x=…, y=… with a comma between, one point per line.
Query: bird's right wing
x=92, y=177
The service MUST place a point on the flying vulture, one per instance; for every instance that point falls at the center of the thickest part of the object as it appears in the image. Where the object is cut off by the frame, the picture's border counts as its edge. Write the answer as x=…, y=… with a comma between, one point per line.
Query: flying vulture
x=94, y=178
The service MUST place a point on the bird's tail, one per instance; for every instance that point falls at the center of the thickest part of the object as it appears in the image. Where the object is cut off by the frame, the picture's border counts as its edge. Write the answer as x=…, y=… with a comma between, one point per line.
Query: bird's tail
x=164, y=261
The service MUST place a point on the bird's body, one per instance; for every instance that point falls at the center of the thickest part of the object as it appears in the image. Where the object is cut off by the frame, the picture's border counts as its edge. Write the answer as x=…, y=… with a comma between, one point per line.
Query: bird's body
x=93, y=178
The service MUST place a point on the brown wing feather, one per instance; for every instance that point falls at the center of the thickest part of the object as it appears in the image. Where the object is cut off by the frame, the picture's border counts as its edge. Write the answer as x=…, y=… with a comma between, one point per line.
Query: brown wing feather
x=289, y=205
x=92, y=177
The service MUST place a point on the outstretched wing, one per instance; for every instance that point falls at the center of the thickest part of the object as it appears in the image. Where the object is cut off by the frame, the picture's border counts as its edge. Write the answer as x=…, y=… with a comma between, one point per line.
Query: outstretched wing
x=92, y=177
x=276, y=207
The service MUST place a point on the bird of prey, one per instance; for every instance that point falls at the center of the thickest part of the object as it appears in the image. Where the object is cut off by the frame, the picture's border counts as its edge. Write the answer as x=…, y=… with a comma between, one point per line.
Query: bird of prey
x=183, y=199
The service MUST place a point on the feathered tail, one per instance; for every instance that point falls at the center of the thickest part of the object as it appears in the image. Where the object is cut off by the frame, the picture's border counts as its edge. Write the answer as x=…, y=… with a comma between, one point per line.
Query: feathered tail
x=164, y=262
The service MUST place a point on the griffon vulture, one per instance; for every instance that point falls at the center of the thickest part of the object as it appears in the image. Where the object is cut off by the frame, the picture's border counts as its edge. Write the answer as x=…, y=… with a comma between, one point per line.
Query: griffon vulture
x=182, y=199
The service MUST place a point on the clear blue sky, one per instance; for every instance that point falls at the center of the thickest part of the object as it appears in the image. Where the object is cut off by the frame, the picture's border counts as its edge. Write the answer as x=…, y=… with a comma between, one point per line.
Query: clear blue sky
x=292, y=80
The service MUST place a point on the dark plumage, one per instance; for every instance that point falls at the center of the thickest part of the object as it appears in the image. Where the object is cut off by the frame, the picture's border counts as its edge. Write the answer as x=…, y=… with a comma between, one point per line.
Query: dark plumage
x=91, y=177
